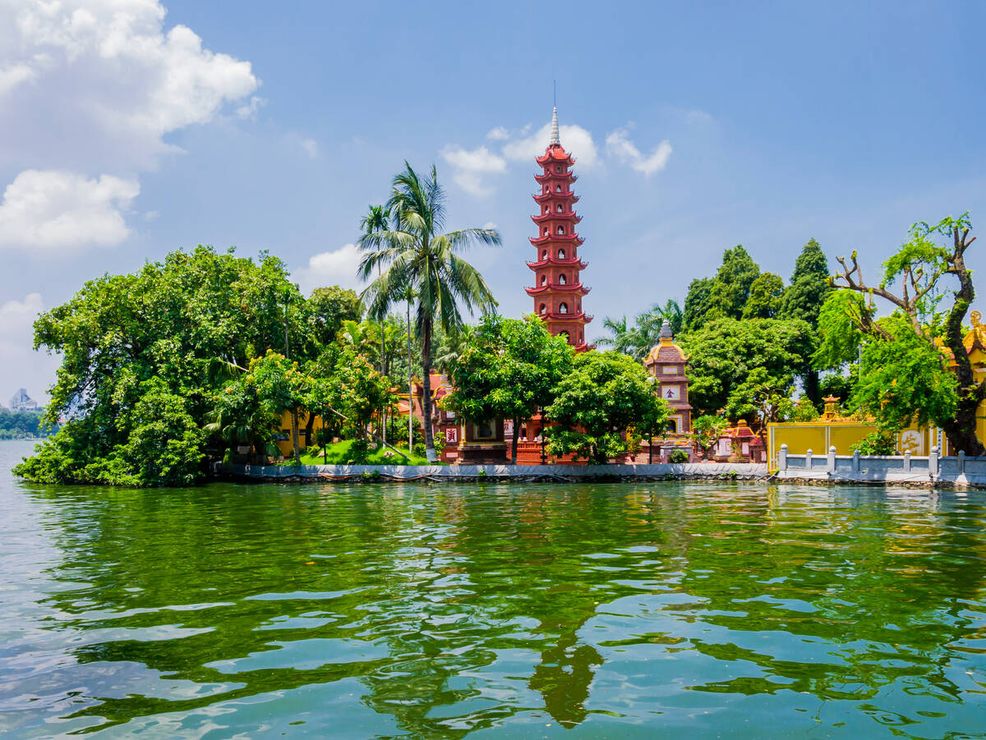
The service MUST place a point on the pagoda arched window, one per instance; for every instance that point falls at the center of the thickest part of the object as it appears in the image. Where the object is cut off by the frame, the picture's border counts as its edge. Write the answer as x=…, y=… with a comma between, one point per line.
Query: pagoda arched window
x=546, y=189
x=561, y=229
x=563, y=334
x=563, y=308
x=545, y=230
x=559, y=208
x=562, y=280
x=558, y=168
x=542, y=309
x=544, y=279
x=557, y=188
x=544, y=254
x=561, y=254
x=545, y=209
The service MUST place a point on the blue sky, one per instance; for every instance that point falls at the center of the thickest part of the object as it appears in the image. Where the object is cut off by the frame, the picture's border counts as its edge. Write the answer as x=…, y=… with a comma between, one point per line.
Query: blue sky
x=133, y=128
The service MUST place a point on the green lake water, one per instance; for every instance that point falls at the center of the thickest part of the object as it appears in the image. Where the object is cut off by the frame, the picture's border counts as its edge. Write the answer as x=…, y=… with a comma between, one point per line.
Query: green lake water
x=610, y=610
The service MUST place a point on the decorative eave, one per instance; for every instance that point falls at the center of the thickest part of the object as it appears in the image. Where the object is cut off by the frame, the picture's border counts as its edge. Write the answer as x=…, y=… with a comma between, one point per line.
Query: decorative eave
x=571, y=216
x=562, y=238
x=574, y=262
x=568, y=177
x=575, y=318
x=568, y=196
x=556, y=288
x=555, y=154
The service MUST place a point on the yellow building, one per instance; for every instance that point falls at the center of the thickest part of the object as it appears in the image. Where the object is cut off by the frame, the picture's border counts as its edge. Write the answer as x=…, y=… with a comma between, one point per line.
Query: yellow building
x=284, y=443
x=833, y=430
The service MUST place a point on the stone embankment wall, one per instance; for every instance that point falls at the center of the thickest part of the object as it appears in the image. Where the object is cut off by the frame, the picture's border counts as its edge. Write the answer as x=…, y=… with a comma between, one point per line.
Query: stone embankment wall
x=931, y=471
x=464, y=473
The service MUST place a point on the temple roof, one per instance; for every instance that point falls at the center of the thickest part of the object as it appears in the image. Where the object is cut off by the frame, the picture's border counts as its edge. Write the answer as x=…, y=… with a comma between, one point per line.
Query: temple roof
x=665, y=350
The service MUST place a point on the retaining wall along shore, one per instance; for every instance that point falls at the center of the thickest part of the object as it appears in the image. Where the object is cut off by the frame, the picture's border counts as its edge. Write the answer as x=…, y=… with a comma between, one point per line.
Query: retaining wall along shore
x=934, y=470
x=452, y=473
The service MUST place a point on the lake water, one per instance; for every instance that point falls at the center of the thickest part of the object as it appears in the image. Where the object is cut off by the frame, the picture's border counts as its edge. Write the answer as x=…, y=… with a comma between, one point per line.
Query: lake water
x=626, y=610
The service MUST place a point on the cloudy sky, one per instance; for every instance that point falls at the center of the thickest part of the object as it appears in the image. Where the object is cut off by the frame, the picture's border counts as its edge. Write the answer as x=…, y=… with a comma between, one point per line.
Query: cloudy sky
x=129, y=128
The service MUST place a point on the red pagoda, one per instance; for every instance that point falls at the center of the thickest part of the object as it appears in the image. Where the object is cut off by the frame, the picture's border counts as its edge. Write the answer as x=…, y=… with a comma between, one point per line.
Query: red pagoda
x=558, y=290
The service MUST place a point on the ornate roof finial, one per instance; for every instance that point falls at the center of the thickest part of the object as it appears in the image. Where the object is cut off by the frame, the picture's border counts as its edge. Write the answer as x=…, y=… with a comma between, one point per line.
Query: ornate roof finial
x=555, y=140
x=666, y=330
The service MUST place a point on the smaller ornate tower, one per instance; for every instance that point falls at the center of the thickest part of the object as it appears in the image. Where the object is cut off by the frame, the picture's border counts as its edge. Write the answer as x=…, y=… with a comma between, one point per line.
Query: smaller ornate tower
x=666, y=362
x=558, y=288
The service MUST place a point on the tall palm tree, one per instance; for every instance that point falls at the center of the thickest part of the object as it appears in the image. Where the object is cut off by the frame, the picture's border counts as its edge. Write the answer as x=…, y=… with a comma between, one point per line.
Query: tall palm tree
x=415, y=253
x=374, y=222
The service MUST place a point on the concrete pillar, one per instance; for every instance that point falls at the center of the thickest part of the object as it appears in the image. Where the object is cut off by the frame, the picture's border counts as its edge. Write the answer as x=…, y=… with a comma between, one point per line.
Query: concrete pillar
x=907, y=462
x=808, y=459
x=782, y=458
x=855, y=461
x=831, y=459
x=961, y=462
x=933, y=462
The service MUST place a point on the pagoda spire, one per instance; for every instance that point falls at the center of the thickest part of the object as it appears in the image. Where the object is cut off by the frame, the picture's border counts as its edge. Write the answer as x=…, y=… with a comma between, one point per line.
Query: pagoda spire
x=558, y=289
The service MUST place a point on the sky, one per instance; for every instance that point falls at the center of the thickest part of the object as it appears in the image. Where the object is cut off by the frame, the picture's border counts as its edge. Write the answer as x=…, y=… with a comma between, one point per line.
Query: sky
x=130, y=128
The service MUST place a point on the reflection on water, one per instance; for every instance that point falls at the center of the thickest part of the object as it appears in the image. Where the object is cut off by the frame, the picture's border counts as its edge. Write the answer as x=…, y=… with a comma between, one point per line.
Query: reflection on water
x=442, y=610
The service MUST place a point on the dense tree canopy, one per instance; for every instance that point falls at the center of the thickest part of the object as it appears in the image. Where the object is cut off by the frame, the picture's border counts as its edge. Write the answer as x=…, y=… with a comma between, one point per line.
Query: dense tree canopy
x=723, y=356
x=596, y=406
x=508, y=369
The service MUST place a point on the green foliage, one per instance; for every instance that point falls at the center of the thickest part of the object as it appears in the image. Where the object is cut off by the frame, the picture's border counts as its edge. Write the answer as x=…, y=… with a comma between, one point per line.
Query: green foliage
x=731, y=286
x=406, y=240
x=761, y=397
x=678, y=456
x=707, y=429
x=329, y=307
x=877, y=443
x=358, y=391
x=839, y=329
x=637, y=340
x=23, y=425
x=804, y=410
x=903, y=378
x=144, y=357
x=507, y=369
x=697, y=303
x=723, y=356
x=810, y=286
x=595, y=406
x=765, y=296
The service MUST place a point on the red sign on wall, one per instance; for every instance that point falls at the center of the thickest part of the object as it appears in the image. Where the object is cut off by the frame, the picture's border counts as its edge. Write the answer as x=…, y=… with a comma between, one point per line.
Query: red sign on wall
x=452, y=435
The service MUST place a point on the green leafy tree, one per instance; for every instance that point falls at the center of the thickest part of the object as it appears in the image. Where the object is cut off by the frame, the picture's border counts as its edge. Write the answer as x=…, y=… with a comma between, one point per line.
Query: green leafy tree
x=810, y=287
x=359, y=392
x=723, y=354
x=189, y=324
x=697, y=303
x=415, y=254
x=605, y=396
x=731, y=285
x=761, y=398
x=765, y=296
x=707, y=429
x=508, y=369
x=329, y=307
x=904, y=372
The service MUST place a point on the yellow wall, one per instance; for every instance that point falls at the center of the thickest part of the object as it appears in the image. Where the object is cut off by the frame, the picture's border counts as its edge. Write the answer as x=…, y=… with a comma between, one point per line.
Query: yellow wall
x=284, y=445
x=816, y=436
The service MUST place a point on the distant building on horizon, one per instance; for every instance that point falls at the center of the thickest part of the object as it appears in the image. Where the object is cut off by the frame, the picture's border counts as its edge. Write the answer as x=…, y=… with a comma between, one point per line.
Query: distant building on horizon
x=20, y=401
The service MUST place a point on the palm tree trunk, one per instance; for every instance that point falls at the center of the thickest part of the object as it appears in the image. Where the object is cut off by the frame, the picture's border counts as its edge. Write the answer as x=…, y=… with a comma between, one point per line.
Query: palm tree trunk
x=426, y=386
x=410, y=385
x=295, y=444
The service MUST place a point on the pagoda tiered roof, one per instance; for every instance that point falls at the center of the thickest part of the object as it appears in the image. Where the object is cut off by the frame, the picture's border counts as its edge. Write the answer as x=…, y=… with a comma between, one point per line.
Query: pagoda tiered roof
x=573, y=262
x=555, y=153
x=567, y=238
x=563, y=216
x=558, y=288
x=568, y=177
x=580, y=317
x=569, y=196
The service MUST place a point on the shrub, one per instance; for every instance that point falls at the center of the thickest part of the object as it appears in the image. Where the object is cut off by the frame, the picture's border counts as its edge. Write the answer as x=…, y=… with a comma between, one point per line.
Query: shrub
x=678, y=456
x=878, y=443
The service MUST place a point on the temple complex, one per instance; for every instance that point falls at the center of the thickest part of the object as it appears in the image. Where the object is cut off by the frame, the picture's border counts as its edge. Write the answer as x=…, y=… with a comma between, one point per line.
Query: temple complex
x=558, y=289
x=666, y=362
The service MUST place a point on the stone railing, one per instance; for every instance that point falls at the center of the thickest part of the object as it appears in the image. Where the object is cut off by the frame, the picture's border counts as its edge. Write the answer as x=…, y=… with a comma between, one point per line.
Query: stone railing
x=958, y=470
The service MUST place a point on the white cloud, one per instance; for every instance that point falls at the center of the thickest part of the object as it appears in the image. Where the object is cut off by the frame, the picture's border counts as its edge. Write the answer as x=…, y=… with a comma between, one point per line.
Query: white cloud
x=576, y=140
x=22, y=365
x=249, y=110
x=471, y=166
x=51, y=210
x=311, y=147
x=619, y=146
x=13, y=75
x=337, y=267
x=499, y=133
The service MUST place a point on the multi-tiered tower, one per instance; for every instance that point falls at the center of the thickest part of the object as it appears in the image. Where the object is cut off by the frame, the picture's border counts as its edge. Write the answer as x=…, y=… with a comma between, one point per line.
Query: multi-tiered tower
x=558, y=290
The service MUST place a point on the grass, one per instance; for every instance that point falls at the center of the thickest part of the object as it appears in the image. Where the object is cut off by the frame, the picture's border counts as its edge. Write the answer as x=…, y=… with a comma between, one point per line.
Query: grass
x=341, y=454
